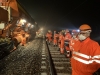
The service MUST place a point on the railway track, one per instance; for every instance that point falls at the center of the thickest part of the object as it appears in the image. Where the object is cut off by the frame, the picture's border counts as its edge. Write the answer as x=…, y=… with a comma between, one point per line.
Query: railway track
x=36, y=58
x=61, y=63
x=30, y=60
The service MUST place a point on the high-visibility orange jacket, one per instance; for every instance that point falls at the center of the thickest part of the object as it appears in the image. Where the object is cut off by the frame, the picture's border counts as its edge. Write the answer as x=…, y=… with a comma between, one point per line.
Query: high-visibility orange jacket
x=86, y=58
x=55, y=38
x=49, y=36
x=61, y=38
x=73, y=44
x=68, y=36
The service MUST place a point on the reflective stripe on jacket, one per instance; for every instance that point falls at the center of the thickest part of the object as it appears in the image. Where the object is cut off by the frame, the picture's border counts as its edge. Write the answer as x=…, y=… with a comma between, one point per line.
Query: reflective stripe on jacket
x=86, y=59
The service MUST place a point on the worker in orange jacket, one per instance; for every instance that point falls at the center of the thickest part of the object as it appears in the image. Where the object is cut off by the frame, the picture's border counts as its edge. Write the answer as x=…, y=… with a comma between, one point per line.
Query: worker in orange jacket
x=67, y=40
x=67, y=37
x=61, y=40
x=74, y=39
x=55, y=39
x=86, y=57
x=72, y=43
x=49, y=36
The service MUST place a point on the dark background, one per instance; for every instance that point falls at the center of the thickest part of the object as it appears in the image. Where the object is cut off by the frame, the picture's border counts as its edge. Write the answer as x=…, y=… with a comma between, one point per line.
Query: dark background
x=63, y=14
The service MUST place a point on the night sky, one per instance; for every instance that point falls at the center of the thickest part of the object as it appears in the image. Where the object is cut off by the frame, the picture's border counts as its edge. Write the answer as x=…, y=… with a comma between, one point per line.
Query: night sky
x=63, y=14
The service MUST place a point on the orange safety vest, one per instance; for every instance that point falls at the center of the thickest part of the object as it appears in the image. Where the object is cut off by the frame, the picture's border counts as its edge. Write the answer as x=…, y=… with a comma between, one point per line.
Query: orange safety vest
x=61, y=38
x=49, y=36
x=85, y=58
x=73, y=43
x=55, y=38
x=68, y=36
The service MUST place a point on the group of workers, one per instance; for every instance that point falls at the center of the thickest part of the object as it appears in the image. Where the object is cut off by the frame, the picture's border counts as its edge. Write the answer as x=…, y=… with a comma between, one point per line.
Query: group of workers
x=84, y=52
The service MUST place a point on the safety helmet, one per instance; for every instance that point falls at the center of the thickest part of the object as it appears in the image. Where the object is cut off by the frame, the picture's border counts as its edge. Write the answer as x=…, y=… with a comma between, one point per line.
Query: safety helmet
x=84, y=27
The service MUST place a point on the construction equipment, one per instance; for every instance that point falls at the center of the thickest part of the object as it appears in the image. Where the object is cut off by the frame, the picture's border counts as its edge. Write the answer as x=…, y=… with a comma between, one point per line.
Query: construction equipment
x=15, y=24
